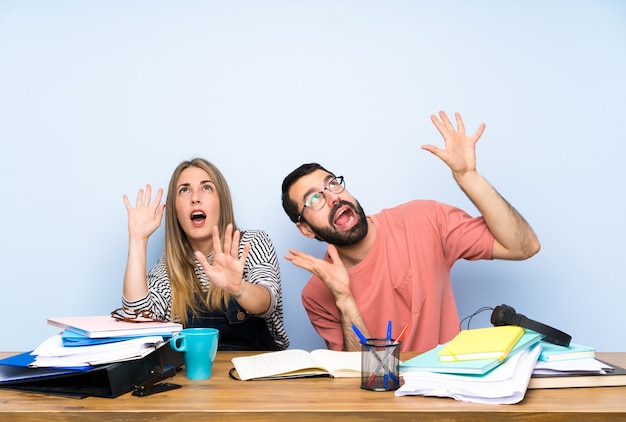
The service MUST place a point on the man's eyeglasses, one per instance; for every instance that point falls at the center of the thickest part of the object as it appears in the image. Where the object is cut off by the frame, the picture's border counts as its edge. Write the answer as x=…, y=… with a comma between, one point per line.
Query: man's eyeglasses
x=128, y=315
x=316, y=201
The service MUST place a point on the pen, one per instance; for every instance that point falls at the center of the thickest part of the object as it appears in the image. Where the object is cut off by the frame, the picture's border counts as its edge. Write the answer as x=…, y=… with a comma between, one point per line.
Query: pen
x=363, y=341
x=401, y=335
x=386, y=376
x=360, y=335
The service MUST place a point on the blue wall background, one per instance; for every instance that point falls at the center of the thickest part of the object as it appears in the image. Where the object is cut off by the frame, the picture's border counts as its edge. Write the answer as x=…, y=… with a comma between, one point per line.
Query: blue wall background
x=99, y=98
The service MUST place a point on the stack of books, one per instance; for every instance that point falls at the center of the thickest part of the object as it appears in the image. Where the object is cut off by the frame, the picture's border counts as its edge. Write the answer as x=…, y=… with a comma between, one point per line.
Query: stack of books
x=498, y=364
x=574, y=366
x=95, y=356
x=486, y=365
x=97, y=340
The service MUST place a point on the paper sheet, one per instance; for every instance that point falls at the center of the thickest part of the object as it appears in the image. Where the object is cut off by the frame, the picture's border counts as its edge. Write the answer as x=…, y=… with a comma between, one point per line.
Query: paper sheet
x=52, y=353
x=572, y=366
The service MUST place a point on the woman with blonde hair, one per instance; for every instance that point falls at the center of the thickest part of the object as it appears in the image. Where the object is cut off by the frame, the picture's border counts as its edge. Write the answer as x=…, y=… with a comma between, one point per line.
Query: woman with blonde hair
x=211, y=274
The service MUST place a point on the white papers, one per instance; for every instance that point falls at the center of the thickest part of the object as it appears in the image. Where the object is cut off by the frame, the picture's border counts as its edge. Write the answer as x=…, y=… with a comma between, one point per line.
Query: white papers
x=52, y=353
x=506, y=384
x=587, y=366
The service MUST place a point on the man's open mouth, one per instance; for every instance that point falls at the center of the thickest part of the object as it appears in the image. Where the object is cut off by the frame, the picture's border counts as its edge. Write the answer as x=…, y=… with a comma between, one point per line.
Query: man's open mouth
x=344, y=217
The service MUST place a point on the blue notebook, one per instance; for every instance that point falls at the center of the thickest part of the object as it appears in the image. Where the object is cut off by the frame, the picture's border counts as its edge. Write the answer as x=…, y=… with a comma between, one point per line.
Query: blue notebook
x=429, y=361
x=72, y=339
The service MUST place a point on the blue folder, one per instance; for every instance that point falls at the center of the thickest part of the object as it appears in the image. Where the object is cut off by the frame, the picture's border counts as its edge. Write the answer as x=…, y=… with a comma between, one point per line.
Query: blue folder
x=72, y=339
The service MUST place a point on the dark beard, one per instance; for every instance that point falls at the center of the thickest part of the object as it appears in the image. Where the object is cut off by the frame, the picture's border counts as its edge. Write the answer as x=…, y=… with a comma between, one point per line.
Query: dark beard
x=352, y=236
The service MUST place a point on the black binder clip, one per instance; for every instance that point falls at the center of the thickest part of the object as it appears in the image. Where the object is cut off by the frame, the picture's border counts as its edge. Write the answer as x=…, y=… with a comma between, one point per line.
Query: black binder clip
x=151, y=384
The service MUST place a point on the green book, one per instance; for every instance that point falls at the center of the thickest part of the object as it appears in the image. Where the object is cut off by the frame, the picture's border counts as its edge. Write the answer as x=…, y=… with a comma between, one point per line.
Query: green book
x=552, y=352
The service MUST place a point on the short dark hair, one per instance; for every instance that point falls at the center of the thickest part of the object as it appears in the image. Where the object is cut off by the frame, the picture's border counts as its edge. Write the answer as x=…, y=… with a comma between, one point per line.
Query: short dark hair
x=290, y=207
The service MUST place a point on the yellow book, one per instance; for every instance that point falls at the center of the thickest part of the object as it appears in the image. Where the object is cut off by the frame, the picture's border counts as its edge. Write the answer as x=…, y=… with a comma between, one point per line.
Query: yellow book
x=482, y=343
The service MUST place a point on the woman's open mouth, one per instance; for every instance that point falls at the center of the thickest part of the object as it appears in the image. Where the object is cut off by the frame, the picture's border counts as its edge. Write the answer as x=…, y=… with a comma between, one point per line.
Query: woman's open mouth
x=198, y=218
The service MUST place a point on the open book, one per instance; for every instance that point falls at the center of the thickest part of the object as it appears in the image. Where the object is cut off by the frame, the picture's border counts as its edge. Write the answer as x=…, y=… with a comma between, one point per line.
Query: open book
x=295, y=363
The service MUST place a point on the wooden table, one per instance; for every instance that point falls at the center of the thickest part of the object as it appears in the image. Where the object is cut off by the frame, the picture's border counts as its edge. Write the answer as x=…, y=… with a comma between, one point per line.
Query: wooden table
x=223, y=399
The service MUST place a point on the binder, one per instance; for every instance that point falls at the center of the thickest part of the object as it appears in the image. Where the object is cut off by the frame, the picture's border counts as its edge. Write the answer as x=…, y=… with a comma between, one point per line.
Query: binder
x=109, y=380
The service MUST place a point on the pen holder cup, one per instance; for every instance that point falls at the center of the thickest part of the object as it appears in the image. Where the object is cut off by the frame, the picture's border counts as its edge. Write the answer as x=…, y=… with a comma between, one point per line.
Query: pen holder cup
x=380, y=365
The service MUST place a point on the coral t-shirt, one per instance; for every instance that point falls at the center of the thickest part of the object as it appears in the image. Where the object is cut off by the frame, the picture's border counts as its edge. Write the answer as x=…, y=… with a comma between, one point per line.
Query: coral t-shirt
x=405, y=277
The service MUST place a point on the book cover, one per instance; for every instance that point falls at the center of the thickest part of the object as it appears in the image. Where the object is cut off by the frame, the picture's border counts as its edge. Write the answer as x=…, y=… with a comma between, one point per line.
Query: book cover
x=552, y=352
x=429, y=361
x=106, y=326
x=296, y=363
x=482, y=343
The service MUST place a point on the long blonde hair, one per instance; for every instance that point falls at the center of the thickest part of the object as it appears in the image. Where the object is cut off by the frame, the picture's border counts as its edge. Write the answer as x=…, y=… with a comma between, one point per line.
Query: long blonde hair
x=179, y=256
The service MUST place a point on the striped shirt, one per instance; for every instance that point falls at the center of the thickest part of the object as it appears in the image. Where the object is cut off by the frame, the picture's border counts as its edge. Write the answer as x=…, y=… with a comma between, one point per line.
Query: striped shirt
x=261, y=267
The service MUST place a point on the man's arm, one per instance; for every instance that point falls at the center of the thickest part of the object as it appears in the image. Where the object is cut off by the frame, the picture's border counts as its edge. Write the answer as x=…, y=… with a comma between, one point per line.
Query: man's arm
x=335, y=277
x=350, y=314
x=514, y=238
